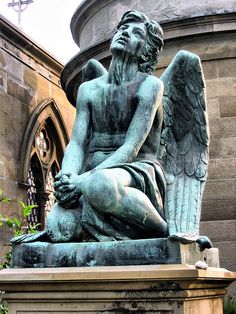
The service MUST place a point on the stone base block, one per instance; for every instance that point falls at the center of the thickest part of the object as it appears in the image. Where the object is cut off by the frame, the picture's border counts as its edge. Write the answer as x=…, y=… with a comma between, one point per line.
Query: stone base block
x=155, y=289
x=116, y=253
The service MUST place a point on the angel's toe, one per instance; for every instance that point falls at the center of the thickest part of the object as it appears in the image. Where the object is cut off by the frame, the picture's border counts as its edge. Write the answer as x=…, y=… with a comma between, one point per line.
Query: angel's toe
x=204, y=242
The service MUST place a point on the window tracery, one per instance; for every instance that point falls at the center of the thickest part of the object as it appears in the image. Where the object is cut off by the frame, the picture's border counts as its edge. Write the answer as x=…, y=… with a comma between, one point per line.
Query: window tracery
x=47, y=139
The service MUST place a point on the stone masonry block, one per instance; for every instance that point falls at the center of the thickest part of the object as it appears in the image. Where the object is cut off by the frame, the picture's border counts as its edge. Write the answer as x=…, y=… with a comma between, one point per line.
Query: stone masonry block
x=2, y=166
x=100, y=28
x=221, y=87
x=5, y=233
x=220, y=128
x=11, y=189
x=3, y=81
x=11, y=169
x=223, y=147
x=3, y=145
x=226, y=68
x=30, y=78
x=222, y=168
x=213, y=108
x=11, y=141
x=218, y=209
x=7, y=105
x=228, y=146
x=227, y=106
x=210, y=69
x=4, y=248
x=3, y=119
x=211, y=229
x=215, y=148
x=2, y=59
x=59, y=96
x=227, y=252
x=220, y=189
x=11, y=88
x=43, y=88
x=18, y=91
x=13, y=67
x=68, y=117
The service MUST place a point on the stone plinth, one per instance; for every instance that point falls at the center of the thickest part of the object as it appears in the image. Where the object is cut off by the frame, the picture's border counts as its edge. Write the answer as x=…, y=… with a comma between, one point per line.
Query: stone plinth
x=114, y=253
x=169, y=289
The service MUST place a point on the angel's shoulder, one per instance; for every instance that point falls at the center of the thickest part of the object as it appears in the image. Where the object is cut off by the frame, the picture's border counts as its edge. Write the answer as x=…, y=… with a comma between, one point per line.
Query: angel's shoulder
x=151, y=82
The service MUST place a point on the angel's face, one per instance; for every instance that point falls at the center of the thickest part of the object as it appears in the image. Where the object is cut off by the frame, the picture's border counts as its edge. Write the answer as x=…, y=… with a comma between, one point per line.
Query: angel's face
x=130, y=38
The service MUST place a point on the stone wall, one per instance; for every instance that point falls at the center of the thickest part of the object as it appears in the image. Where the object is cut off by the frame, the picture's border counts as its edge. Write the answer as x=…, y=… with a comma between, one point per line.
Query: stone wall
x=28, y=76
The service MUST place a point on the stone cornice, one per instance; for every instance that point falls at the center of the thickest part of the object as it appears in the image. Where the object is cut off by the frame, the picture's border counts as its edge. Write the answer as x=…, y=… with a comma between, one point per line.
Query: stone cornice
x=88, y=9
x=175, y=30
x=197, y=26
x=83, y=13
x=12, y=35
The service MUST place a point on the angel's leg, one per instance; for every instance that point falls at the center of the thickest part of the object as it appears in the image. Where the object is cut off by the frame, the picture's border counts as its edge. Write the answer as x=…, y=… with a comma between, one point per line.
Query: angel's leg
x=62, y=225
x=113, y=191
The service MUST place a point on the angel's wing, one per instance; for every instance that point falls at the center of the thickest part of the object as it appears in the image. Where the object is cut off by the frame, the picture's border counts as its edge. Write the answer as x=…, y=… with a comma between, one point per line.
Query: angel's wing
x=92, y=70
x=185, y=140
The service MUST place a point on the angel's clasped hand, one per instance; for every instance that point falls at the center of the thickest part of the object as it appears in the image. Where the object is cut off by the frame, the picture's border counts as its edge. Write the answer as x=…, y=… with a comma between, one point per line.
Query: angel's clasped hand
x=66, y=188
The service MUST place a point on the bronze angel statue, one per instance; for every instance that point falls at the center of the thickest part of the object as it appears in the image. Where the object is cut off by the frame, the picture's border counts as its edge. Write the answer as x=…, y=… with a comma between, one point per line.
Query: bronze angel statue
x=136, y=164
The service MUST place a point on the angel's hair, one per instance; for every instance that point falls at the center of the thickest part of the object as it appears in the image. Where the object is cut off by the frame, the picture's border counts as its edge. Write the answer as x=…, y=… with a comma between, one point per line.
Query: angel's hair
x=148, y=60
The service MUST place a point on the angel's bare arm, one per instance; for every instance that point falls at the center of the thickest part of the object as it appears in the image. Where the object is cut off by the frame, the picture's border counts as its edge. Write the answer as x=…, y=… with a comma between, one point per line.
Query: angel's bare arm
x=75, y=151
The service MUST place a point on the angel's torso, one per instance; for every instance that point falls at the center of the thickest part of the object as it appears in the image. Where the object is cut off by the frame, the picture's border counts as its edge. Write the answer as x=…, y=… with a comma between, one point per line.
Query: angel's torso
x=112, y=108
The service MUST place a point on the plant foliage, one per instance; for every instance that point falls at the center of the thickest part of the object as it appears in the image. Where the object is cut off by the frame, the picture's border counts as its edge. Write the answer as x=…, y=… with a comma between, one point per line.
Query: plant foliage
x=17, y=226
x=230, y=305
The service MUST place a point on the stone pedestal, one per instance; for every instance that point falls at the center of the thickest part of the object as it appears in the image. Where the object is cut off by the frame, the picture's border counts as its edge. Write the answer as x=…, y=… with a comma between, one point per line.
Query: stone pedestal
x=113, y=253
x=169, y=289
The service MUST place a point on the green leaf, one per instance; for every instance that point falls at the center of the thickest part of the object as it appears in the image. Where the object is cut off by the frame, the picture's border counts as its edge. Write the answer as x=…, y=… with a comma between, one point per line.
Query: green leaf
x=1, y=223
x=33, y=228
x=10, y=223
x=1, y=191
x=16, y=222
x=17, y=232
x=23, y=205
x=28, y=209
x=5, y=199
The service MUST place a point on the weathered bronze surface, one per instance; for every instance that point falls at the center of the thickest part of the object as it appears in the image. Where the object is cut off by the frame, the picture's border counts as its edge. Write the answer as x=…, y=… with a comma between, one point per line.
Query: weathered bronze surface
x=136, y=164
x=111, y=253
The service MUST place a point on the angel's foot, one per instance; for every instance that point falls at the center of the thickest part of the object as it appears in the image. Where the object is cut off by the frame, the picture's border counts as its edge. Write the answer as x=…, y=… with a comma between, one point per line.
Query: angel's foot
x=26, y=238
x=204, y=243
x=184, y=238
x=64, y=231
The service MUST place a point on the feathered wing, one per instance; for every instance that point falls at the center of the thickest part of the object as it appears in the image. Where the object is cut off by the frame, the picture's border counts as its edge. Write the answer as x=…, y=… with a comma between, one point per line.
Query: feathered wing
x=92, y=70
x=185, y=141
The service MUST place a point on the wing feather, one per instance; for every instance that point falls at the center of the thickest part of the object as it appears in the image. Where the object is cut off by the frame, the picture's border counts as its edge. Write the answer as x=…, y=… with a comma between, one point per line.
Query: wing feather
x=185, y=136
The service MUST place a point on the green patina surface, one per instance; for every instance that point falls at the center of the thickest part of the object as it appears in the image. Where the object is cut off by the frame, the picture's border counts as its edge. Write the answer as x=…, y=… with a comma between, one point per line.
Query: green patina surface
x=136, y=164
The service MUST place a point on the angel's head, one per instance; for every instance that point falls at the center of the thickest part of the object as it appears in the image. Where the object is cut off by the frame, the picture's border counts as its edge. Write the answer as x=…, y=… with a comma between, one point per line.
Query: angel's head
x=151, y=45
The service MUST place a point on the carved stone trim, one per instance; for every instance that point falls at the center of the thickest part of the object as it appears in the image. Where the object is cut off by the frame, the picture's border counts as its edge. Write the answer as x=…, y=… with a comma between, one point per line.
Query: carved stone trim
x=20, y=40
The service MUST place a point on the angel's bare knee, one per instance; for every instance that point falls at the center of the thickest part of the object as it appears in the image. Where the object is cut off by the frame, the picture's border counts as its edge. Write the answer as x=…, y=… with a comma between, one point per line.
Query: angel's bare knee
x=101, y=191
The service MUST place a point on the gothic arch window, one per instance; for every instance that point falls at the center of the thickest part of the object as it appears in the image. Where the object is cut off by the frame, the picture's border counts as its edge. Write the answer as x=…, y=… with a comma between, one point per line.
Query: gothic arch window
x=42, y=152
